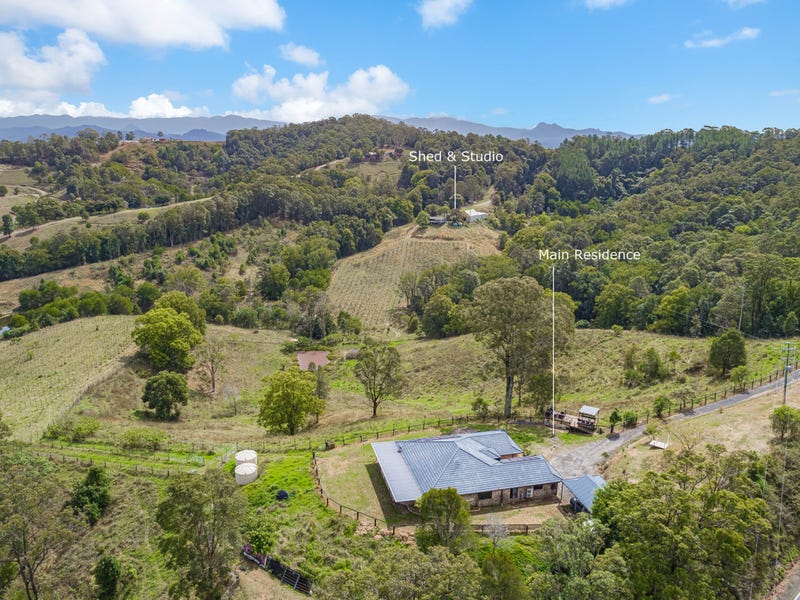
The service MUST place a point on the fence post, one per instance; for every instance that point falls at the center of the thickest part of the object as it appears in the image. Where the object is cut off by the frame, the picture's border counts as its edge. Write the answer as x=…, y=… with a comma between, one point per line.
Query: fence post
x=409, y=428
x=423, y=424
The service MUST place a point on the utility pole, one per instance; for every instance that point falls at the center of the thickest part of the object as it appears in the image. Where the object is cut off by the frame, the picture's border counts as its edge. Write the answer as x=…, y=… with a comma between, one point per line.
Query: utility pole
x=553, y=303
x=789, y=352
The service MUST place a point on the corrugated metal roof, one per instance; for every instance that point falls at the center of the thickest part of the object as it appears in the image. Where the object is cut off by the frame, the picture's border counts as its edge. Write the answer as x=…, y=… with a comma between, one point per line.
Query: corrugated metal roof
x=589, y=410
x=396, y=473
x=584, y=488
x=468, y=462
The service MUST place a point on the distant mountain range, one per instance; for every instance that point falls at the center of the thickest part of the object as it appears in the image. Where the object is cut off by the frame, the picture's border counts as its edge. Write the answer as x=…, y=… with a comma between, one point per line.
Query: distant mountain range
x=213, y=129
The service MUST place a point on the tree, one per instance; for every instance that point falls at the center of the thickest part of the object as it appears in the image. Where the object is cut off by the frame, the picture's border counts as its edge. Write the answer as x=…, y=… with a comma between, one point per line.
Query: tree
x=33, y=522
x=502, y=579
x=378, y=368
x=165, y=393
x=785, y=423
x=211, y=360
x=400, y=572
x=790, y=323
x=727, y=351
x=661, y=405
x=739, y=377
x=181, y=303
x=273, y=281
x=511, y=317
x=166, y=337
x=436, y=315
x=201, y=517
x=8, y=225
x=445, y=520
x=92, y=495
x=3, y=190
x=287, y=399
x=146, y=295
x=186, y=279
x=423, y=219
x=107, y=573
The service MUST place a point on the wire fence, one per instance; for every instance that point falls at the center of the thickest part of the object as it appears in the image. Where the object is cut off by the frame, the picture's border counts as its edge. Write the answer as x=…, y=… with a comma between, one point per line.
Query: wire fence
x=358, y=515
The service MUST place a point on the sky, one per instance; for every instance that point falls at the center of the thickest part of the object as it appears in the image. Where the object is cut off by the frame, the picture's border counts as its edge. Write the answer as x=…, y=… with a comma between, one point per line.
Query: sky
x=637, y=66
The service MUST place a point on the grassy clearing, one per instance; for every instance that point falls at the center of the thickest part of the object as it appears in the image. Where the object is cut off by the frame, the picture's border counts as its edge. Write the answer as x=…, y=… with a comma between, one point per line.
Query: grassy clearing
x=207, y=421
x=45, y=372
x=14, y=176
x=366, y=284
x=745, y=426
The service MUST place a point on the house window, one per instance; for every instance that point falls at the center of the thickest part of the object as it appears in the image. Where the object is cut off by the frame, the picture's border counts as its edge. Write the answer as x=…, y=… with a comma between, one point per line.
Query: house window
x=484, y=495
x=529, y=493
x=554, y=487
x=512, y=493
x=537, y=487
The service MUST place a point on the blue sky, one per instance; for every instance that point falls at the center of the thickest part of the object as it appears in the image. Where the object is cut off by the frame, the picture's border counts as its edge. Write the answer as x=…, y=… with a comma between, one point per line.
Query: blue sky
x=630, y=65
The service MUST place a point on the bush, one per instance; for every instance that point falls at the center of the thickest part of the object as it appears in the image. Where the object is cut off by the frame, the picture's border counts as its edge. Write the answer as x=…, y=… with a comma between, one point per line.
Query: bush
x=84, y=428
x=107, y=574
x=582, y=324
x=629, y=418
x=617, y=329
x=92, y=495
x=144, y=438
x=661, y=405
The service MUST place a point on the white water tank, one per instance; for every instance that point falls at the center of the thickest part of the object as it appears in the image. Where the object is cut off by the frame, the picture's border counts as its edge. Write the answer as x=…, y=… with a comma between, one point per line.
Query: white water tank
x=246, y=456
x=246, y=473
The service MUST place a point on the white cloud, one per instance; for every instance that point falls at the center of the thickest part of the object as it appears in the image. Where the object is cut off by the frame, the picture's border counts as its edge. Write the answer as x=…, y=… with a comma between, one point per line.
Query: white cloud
x=736, y=4
x=300, y=54
x=660, y=99
x=69, y=65
x=603, y=4
x=158, y=105
x=193, y=23
x=309, y=97
x=153, y=105
x=439, y=13
x=705, y=41
x=782, y=93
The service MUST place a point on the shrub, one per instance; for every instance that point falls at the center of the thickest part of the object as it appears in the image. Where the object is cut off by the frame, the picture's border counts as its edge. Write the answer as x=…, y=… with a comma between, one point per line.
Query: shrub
x=107, y=574
x=661, y=405
x=617, y=330
x=629, y=418
x=84, y=428
x=582, y=324
x=143, y=437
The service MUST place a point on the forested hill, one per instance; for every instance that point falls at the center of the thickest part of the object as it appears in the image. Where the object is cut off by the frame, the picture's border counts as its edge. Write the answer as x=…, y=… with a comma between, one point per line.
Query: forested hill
x=713, y=212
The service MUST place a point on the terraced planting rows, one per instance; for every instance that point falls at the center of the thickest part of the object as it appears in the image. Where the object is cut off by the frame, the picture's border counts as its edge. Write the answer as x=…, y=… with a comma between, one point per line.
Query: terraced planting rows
x=44, y=373
x=366, y=284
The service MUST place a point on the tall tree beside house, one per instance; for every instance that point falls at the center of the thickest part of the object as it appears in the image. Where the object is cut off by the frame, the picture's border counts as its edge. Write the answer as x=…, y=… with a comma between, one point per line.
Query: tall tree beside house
x=446, y=521
x=379, y=370
x=511, y=316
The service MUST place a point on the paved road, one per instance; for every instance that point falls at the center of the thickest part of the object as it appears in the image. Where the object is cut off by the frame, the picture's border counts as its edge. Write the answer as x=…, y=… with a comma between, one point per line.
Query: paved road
x=583, y=459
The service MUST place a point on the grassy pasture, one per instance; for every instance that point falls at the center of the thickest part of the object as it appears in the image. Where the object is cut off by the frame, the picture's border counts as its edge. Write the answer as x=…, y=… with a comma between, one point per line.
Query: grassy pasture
x=745, y=426
x=366, y=284
x=12, y=176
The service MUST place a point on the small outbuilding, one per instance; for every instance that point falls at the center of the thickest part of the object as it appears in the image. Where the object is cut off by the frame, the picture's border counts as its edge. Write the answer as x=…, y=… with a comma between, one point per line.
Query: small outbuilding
x=475, y=215
x=581, y=490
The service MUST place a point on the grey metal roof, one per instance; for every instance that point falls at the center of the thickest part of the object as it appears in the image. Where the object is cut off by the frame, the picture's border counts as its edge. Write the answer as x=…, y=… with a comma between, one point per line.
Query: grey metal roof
x=584, y=488
x=468, y=462
x=589, y=410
